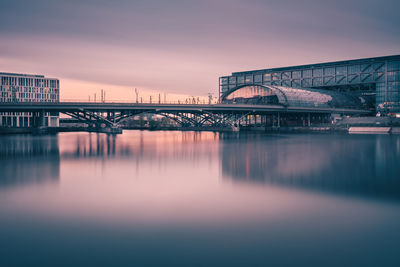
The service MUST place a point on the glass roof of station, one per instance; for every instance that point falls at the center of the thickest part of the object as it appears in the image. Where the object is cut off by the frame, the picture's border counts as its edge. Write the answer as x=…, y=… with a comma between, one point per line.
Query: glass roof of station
x=293, y=97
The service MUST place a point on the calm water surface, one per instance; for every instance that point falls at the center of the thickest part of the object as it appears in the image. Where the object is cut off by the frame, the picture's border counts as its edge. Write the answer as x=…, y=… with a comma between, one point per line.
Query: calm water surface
x=199, y=199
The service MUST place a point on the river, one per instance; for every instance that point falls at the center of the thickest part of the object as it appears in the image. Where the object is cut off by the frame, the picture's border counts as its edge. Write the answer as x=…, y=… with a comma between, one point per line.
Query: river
x=171, y=198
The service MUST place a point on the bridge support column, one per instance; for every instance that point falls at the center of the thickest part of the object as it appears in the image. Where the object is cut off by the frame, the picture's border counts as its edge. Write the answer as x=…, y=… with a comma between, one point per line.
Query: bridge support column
x=41, y=127
x=273, y=120
x=279, y=120
x=42, y=119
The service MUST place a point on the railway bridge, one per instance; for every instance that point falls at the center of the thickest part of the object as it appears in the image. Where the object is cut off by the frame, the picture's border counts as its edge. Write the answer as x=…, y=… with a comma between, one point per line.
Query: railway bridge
x=107, y=116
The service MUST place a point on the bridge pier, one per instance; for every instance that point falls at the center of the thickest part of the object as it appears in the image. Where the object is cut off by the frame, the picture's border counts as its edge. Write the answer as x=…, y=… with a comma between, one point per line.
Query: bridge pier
x=279, y=120
x=41, y=126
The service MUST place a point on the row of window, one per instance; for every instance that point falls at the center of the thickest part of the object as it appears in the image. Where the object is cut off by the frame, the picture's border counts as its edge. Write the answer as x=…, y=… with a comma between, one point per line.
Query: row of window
x=28, y=89
x=366, y=69
x=17, y=81
x=363, y=77
x=325, y=81
x=52, y=113
x=17, y=121
x=13, y=100
x=25, y=121
x=29, y=95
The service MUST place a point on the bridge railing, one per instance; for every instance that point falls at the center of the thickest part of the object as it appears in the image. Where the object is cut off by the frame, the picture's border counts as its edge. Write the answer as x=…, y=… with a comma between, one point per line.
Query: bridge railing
x=174, y=102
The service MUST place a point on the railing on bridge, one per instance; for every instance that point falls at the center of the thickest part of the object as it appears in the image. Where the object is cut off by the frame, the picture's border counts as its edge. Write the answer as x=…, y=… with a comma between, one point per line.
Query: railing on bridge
x=174, y=102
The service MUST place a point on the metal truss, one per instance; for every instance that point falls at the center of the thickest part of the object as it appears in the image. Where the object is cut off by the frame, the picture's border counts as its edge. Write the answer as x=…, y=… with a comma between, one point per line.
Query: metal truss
x=92, y=119
x=184, y=119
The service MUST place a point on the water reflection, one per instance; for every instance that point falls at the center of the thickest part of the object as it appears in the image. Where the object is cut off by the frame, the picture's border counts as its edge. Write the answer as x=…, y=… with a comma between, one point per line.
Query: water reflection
x=364, y=164
x=26, y=160
x=184, y=198
x=360, y=165
x=140, y=144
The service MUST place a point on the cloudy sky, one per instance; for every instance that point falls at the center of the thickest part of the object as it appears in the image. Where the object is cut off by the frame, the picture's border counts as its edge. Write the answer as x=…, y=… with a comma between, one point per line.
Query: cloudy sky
x=183, y=46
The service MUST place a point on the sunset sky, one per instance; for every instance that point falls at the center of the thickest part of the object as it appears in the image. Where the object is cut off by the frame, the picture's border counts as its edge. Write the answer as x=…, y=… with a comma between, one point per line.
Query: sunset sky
x=181, y=47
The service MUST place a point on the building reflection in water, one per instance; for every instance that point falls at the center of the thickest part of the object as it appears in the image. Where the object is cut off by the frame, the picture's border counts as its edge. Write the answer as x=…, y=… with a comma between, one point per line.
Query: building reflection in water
x=26, y=159
x=364, y=165
x=355, y=164
x=138, y=144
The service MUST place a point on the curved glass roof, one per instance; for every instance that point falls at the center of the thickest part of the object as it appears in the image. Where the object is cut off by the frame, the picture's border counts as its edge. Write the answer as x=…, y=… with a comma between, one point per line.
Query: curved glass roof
x=287, y=96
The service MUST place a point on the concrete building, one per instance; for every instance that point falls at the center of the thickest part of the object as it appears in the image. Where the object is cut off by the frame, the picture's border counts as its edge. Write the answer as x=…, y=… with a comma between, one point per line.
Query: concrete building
x=376, y=81
x=16, y=88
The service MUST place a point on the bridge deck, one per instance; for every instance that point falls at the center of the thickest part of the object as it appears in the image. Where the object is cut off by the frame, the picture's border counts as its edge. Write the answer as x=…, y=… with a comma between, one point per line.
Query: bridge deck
x=213, y=108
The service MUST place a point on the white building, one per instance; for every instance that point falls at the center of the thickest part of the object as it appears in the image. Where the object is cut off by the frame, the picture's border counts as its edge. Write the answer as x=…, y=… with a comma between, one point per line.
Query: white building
x=15, y=88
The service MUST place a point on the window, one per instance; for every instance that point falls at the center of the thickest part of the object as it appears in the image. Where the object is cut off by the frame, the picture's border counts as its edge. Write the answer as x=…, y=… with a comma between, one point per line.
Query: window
x=341, y=70
x=224, y=80
x=393, y=76
x=317, y=72
x=286, y=75
x=307, y=73
x=286, y=83
x=249, y=79
x=296, y=83
x=379, y=66
x=296, y=74
x=267, y=76
x=306, y=83
x=329, y=80
x=276, y=76
x=340, y=79
x=317, y=81
x=257, y=78
x=353, y=78
x=379, y=77
x=394, y=86
x=329, y=71
x=393, y=65
x=366, y=68
x=354, y=69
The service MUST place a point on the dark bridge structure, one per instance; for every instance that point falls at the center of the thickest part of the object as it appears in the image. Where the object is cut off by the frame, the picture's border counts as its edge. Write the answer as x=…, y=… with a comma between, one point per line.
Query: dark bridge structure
x=266, y=109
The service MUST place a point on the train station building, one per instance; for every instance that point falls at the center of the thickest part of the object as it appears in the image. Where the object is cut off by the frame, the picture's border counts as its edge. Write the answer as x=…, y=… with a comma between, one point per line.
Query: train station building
x=373, y=82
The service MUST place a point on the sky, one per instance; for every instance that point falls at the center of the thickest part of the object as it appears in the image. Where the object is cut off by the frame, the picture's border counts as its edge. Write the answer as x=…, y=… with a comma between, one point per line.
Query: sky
x=181, y=47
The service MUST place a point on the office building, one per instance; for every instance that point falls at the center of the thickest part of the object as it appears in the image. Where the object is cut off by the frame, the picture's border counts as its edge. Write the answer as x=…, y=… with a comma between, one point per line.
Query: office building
x=16, y=88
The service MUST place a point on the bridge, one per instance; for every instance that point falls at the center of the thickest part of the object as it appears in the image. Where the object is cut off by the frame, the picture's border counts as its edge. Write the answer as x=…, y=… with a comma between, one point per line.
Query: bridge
x=107, y=116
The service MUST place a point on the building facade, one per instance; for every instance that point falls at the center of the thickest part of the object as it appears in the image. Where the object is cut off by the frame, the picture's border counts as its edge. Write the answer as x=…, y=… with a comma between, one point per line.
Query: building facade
x=16, y=88
x=375, y=79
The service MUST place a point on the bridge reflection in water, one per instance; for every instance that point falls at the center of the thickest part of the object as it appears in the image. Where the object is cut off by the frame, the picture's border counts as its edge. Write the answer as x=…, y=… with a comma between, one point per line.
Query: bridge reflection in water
x=363, y=165
x=346, y=164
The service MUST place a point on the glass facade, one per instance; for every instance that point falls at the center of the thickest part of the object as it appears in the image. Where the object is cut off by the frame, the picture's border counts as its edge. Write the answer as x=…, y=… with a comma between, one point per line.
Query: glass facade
x=376, y=79
x=16, y=88
x=293, y=97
